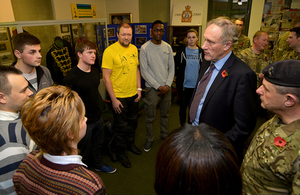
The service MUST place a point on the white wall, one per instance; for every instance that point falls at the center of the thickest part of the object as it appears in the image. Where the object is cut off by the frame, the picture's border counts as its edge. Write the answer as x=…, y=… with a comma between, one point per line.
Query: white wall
x=255, y=17
x=123, y=6
x=204, y=14
x=62, y=8
x=6, y=11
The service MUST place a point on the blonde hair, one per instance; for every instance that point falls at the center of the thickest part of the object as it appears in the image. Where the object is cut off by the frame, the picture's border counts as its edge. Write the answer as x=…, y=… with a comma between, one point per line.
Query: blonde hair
x=51, y=116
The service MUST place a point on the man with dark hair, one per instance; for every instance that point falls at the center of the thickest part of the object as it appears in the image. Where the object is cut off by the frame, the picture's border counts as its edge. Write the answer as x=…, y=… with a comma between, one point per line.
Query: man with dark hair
x=122, y=79
x=157, y=68
x=294, y=42
x=271, y=164
x=282, y=46
x=243, y=42
x=255, y=57
x=85, y=80
x=225, y=95
x=15, y=143
x=27, y=49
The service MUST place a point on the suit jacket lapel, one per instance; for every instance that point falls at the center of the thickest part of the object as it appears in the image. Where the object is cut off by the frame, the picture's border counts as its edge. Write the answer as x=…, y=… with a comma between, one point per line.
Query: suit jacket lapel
x=218, y=80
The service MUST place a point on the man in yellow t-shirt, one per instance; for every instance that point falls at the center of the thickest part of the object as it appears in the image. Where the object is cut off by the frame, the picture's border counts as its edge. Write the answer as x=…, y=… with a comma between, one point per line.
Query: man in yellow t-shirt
x=122, y=79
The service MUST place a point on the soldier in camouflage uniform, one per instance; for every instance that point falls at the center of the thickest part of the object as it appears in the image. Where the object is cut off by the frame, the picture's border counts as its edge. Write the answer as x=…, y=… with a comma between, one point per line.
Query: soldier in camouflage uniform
x=294, y=42
x=282, y=47
x=255, y=56
x=292, y=55
x=243, y=41
x=271, y=164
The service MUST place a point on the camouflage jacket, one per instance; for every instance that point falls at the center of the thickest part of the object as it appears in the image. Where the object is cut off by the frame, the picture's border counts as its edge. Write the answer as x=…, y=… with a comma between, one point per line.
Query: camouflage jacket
x=292, y=55
x=273, y=169
x=281, y=48
x=242, y=43
x=257, y=62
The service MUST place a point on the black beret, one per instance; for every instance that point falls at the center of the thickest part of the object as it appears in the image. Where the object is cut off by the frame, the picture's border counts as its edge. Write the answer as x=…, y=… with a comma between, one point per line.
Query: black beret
x=284, y=73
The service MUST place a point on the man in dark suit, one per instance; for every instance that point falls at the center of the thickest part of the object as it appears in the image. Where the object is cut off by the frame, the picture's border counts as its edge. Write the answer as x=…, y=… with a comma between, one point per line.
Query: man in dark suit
x=229, y=101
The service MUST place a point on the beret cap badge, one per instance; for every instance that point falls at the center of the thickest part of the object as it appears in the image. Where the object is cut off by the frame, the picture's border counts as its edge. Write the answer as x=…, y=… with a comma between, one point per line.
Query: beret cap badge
x=271, y=72
x=283, y=73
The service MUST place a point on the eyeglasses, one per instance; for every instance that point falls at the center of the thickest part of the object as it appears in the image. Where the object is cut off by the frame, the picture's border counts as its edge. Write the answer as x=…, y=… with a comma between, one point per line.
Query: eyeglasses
x=159, y=30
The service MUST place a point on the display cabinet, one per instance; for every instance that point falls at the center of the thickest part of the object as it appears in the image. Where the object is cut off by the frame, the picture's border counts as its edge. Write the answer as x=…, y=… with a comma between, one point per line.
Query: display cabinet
x=177, y=35
x=48, y=30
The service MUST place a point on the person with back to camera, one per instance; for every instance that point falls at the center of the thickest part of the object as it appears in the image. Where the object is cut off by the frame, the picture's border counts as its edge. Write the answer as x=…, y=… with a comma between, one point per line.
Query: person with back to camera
x=187, y=65
x=197, y=160
x=55, y=120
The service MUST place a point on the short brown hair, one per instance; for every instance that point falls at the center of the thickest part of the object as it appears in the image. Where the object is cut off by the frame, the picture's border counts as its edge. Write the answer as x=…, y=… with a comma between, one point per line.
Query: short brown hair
x=51, y=115
x=20, y=40
x=5, y=86
x=242, y=20
x=83, y=45
x=124, y=25
x=197, y=160
x=258, y=33
x=296, y=30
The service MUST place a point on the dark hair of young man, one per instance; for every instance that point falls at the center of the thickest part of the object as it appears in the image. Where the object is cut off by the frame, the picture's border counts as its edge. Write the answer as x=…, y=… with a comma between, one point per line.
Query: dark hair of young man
x=5, y=86
x=157, y=22
x=20, y=40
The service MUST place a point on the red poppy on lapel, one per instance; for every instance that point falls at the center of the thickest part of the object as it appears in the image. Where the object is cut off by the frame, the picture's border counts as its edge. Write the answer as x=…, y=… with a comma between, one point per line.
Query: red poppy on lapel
x=278, y=141
x=224, y=74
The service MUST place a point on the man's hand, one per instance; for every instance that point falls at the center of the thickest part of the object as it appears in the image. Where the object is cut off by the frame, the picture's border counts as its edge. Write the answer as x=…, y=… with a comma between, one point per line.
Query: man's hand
x=139, y=96
x=163, y=90
x=261, y=75
x=116, y=106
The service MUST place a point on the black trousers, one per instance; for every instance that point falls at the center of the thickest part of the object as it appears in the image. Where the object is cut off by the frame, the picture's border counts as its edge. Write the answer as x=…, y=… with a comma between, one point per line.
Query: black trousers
x=125, y=125
x=90, y=145
x=184, y=101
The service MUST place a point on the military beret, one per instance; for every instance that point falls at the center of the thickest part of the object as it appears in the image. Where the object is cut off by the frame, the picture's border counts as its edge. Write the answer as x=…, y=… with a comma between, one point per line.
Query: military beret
x=283, y=73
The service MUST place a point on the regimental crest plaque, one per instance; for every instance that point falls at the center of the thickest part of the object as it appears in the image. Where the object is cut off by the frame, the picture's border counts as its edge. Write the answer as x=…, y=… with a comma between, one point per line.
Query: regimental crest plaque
x=187, y=14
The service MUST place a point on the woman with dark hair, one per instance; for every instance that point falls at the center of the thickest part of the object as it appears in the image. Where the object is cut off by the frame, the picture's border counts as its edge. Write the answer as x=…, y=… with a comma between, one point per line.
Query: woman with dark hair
x=197, y=160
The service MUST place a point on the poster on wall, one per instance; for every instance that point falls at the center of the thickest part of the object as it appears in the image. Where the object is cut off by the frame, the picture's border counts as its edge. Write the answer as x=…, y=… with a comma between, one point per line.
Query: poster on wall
x=83, y=11
x=186, y=14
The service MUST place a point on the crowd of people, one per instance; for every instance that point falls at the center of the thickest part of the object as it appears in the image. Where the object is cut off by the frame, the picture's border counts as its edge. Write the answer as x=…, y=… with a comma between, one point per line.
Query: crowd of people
x=51, y=136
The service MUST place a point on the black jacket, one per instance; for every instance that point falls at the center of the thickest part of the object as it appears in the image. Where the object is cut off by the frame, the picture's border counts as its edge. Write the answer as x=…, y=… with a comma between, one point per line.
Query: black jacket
x=231, y=102
x=180, y=64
